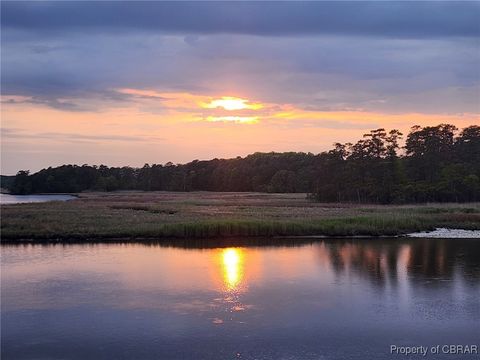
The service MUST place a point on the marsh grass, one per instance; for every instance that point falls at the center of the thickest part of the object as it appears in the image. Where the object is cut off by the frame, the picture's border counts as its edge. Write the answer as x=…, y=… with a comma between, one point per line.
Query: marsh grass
x=207, y=215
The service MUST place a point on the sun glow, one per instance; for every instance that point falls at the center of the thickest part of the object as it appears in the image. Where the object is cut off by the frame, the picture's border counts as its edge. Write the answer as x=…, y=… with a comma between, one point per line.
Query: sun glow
x=231, y=103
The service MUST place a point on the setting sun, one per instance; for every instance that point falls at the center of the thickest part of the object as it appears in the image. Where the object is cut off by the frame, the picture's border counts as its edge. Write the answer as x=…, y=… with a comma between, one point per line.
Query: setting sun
x=231, y=103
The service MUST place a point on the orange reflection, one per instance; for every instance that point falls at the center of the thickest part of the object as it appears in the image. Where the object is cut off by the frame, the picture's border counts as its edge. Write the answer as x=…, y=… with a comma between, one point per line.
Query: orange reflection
x=233, y=265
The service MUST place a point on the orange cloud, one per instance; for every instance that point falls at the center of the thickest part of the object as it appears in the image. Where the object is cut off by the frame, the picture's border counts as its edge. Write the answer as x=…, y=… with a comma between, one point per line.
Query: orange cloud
x=187, y=107
x=236, y=119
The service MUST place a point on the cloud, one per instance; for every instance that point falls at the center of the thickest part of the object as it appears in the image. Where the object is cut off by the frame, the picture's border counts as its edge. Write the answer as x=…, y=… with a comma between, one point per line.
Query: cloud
x=13, y=133
x=318, y=72
x=392, y=57
x=384, y=19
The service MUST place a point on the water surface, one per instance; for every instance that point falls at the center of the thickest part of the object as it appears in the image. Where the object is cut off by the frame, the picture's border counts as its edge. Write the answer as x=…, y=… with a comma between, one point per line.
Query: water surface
x=20, y=199
x=342, y=299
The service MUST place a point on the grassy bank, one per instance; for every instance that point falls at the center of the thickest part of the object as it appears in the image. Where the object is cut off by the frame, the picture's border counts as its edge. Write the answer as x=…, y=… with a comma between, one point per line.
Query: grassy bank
x=138, y=215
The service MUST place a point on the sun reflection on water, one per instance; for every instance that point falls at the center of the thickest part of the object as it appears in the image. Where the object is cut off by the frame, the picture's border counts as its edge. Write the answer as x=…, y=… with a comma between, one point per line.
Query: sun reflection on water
x=233, y=261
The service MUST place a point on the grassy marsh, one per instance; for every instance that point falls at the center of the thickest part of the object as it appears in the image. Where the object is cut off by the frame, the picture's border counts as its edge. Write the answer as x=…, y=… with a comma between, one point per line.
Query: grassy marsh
x=136, y=215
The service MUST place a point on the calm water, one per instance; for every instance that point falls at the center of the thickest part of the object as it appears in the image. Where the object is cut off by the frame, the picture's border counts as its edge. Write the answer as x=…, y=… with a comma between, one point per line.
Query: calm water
x=322, y=300
x=20, y=199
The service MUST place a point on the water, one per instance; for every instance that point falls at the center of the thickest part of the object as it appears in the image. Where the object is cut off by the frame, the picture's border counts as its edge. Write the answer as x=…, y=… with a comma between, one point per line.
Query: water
x=343, y=299
x=20, y=199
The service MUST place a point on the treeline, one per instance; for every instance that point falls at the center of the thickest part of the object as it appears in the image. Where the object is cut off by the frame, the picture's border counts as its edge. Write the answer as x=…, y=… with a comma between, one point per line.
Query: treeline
x=438, y=163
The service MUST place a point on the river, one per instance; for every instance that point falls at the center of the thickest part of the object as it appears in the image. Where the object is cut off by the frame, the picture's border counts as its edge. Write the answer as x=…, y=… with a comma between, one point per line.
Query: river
x=20, y=199
x=330, y=299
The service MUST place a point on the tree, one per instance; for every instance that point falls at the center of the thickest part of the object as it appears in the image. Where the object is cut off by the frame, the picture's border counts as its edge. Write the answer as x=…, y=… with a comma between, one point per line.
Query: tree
x=428, y=148
x=21, y=184
x=282, y=182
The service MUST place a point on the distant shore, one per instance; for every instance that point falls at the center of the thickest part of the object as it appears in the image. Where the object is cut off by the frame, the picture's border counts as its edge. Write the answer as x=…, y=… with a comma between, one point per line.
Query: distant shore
x=143, y=216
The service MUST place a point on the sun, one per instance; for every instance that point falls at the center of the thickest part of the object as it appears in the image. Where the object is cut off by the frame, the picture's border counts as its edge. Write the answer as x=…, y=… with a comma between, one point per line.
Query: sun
x=231, y=103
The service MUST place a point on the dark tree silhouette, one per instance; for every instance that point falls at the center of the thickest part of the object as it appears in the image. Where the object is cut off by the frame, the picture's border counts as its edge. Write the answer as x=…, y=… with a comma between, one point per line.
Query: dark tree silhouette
x=439, y=164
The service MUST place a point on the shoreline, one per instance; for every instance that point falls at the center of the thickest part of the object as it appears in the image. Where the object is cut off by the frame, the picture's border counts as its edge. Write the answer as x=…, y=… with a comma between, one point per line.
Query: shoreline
x=439, y=233
x=126, y=239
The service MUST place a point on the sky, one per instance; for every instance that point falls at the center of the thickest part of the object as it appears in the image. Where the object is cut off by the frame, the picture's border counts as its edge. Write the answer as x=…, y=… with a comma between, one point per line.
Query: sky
x=127, y=83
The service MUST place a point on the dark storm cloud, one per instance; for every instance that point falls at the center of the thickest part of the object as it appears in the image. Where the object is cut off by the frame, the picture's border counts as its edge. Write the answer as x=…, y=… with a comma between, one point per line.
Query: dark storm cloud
x=390, y=19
